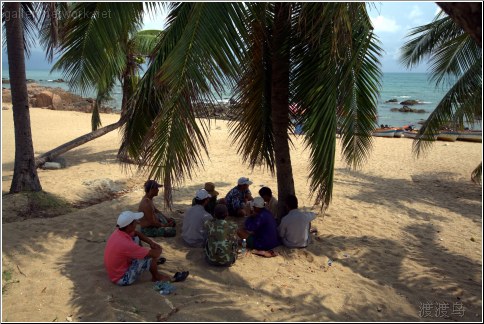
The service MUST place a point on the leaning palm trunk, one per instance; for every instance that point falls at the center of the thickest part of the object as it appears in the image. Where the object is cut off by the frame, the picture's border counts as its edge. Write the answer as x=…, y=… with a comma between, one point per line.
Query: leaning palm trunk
x=25, y=176
x=280, y=103
x=467, y=15
x=49, y=156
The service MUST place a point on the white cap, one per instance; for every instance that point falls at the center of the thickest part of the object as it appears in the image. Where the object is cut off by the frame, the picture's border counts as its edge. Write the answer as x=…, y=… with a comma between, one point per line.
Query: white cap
x=244, y=181
x=202, y=194
x=258, y=202
x=127, y=217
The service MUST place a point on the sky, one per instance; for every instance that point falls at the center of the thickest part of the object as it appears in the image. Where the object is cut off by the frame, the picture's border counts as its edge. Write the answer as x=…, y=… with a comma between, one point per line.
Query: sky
x=391, y=20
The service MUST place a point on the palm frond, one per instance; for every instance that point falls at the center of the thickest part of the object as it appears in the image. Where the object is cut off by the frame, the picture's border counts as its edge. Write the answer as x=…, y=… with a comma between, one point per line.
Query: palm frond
x=91, y=52
x=460, y=104
x=477, y=174
x=252, y=128
x=193, y=57
x=29, y=23
x=51, y=17
x=337, y=86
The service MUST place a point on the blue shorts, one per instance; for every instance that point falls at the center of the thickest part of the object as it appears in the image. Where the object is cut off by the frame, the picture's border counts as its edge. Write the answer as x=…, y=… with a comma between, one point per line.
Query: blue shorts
x=134, y=271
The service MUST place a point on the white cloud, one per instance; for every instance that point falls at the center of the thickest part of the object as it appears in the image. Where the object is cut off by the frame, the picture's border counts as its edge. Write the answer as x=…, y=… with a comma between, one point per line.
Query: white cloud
x=415, y=13
x=383, y=24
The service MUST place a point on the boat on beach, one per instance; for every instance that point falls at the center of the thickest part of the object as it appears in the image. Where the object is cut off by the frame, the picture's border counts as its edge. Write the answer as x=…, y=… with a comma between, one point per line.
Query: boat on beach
x=382, y=132
x=448, y=136
x=399, y=132
x=470, y=136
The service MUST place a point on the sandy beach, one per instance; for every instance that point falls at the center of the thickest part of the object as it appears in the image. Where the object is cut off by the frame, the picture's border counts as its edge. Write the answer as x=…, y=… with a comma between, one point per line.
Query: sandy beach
x=404, y=236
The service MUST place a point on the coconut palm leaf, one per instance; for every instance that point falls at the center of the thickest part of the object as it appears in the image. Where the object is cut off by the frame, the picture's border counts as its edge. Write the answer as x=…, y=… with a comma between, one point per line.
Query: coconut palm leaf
x=477, y=174
x=252, y=127
x=455, y=58
x=29, y=21
x=51, y=29
x=337, y=83
x=90, y=51
x=194, y=56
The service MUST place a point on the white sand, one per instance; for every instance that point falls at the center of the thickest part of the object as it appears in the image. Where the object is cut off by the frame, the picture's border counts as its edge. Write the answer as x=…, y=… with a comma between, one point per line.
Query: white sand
x=405, y=224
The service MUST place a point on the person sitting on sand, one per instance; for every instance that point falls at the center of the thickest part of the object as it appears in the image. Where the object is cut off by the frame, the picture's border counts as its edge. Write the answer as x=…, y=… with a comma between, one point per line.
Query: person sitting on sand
x=193, y=230
x=154, y=223
x=221, y=244
x=295, y=226
x=260, y=230
x=238, y=197
x=212, y=202
x=125, y=259
x=270, y=201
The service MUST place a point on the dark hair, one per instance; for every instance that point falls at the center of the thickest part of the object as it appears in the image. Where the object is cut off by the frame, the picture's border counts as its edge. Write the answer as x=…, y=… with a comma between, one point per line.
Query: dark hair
x=198, y=201
x=220, y=211
x=265, y=191
x=291, y=201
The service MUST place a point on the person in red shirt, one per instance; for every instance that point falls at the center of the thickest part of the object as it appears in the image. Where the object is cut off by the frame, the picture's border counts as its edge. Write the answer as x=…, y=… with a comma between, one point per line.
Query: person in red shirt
x=125, y=259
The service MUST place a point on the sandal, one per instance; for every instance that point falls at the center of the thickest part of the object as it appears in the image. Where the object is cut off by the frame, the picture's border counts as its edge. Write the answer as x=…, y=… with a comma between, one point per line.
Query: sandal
x=180, y=276
x=265, y=254
x=161, y=260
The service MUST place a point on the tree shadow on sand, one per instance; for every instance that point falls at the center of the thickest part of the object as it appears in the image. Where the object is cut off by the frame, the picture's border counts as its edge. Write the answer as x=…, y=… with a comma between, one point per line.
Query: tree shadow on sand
x=459, y=197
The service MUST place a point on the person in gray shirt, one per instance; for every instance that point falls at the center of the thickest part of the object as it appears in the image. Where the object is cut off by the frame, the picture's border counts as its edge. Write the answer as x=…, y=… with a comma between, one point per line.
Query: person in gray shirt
x=193, y=230
x=294, y=227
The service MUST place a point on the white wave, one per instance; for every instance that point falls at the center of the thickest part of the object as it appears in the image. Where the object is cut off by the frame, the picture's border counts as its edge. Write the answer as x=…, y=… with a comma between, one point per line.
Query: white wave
x=403, y=96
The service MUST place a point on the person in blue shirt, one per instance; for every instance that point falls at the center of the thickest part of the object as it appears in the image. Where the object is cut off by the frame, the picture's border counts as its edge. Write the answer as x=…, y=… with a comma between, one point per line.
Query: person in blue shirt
x=238, y=198
x=260, y=230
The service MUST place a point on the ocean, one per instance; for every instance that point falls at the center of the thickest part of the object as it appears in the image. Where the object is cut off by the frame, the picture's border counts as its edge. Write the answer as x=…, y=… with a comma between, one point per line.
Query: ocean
x=400, y=86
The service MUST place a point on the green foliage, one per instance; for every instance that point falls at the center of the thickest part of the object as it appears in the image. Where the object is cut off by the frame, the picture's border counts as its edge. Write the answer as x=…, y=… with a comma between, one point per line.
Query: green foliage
x=456, y=59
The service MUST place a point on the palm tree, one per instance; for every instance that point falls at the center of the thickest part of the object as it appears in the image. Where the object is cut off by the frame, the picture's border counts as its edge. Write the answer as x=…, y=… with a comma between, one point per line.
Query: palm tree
x=97, y=48
x=16, y=17
x=468, y=15
x=457, y=59
x=322, y=56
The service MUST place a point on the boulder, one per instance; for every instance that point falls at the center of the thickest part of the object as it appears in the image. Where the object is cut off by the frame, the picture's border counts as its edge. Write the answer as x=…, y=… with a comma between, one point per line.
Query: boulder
x=6, y=95
x=46, y=99
x=409, y=102
x=52, y=166
x=391, y=100
x=42, y=99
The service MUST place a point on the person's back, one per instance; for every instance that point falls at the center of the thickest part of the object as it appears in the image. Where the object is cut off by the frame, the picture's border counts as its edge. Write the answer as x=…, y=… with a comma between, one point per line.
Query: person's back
x=221, y=245
x=294, y=227
x=193, y=231
x=264, y=227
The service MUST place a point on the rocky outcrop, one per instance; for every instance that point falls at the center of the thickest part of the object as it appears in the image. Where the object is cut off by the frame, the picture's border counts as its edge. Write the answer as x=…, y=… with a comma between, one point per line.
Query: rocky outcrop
x=407, y=109
x=57, y=99
x=46, y=99
x=410, y=102
x=391, y=100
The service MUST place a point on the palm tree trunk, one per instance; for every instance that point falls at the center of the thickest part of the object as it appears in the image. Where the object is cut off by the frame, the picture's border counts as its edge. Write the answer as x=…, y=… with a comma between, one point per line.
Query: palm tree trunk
x=49, y=156
x=280, y=102
x=468, y=15
x=25, y=176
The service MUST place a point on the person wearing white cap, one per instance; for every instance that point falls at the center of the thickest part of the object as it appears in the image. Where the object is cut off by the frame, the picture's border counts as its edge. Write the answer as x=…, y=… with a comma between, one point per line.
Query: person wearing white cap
x=260, y=230
x=124, y=258
x=193, y=231
x=238, y=197
x=154, y=223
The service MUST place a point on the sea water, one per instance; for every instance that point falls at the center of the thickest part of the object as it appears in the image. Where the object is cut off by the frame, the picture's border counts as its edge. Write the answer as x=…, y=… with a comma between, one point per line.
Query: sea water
x=400, y=86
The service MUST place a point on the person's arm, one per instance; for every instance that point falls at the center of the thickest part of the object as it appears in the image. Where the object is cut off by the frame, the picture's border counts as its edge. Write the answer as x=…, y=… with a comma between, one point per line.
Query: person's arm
x=281, y=229
x=147, y=240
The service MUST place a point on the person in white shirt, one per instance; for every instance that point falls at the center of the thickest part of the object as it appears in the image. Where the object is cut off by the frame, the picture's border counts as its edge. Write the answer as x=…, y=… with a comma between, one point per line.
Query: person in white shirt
x=294, y=227
x=193, y=230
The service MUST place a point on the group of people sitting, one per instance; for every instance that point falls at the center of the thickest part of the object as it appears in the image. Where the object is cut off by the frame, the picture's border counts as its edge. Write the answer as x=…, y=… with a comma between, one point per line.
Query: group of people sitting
x=205, y=225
